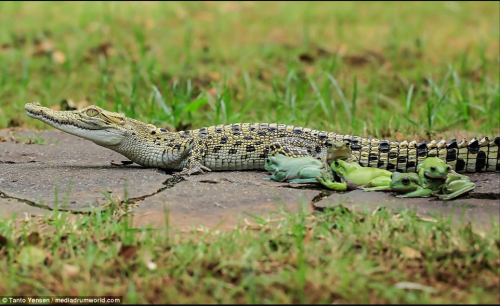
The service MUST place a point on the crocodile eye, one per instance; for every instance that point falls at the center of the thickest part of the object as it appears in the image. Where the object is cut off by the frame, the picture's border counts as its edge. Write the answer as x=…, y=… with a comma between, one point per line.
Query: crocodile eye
x=433, y=168
x=337, y=163
x=92, y=112
x=405, y=181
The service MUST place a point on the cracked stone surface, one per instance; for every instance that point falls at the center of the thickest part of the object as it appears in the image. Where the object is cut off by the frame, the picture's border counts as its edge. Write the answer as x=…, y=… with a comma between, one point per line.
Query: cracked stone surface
x=30, y=172
x=28, y=176
x=13, y=207
x=216, y=197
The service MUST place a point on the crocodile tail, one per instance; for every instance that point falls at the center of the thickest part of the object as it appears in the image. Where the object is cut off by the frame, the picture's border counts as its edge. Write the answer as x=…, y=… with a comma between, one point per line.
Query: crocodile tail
x=464, y=156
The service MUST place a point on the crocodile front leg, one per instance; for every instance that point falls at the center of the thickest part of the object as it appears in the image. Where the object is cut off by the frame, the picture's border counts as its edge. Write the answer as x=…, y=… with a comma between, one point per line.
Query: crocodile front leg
x=196, y=152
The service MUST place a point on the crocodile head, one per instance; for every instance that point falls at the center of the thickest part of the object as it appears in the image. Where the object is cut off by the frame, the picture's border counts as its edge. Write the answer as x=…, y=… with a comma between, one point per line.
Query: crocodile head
x=92, y=123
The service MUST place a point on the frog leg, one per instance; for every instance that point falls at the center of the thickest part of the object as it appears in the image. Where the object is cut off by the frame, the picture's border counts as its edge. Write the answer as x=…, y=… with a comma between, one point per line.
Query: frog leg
x=279, y=177
x=421, y=192
x=378, y=183
x=325, y=180
x=449, y=196
x=302, y=181
x=307, y=175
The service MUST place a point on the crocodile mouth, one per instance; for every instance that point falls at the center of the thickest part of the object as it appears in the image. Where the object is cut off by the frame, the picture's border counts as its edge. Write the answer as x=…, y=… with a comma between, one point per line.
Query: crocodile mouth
x=52, y=121
x=42, y=116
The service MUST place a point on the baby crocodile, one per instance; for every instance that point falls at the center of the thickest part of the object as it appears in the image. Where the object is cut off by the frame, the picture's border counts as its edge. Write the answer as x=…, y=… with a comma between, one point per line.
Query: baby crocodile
x=245, y=146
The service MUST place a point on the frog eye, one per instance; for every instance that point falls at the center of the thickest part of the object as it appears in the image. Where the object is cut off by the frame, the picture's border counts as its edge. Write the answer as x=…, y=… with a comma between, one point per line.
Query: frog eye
x=405, y=181
x=337, y=163
x=449, y=168
x=92, y=112
x=433, y=168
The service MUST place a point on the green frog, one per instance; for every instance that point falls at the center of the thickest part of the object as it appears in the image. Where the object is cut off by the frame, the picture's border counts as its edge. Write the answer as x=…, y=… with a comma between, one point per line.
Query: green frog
x=294, y=170
x=353, y=176
x=412, y=185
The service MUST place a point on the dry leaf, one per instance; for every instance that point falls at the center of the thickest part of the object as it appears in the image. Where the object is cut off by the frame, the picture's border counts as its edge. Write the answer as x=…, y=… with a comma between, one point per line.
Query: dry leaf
x=400, y=137
x=48, y=260
x=309, y=70
x=147, y=259
x=128, y=252
x=43, y=47
x=356, y=60
x=149, y=24
x=58, y=57
x=414, y=286
x=214, y=76
x=306, y=58
x=307, y=236
x=212, y=92
x=31, y=255
x=55, y=107
x=410, y=253
x=69, y=271
x=34, y=238
x=105, y=49
x=3, y=241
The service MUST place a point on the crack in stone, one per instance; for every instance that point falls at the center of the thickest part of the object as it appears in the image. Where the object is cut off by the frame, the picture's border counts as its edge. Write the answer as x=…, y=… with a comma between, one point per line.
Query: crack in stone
x=10, y=162
x=30, y=203
x=486, y=196
x=303, y=187
x=169, y=183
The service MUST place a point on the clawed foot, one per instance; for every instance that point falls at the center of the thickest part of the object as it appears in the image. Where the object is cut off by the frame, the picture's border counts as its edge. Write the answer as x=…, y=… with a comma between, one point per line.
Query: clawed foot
x=193, y=170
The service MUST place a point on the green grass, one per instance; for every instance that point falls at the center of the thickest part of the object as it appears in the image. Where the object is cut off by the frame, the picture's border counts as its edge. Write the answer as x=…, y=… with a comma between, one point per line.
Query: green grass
x=35, y=138
x=368, y=69
x=388, y=70
x=333, y=256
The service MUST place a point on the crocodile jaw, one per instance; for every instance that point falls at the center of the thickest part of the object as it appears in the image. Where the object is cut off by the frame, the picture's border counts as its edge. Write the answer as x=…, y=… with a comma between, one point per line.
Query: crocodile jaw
x=74, y=123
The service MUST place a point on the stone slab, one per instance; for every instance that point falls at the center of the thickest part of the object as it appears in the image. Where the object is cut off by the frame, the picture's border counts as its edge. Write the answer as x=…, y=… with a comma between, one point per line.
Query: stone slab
x=30, y=172
x=216, y=197
x=13, y=207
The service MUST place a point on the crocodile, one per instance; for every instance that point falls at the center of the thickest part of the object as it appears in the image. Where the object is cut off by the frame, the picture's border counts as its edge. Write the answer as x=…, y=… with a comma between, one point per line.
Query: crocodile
x=246, y=146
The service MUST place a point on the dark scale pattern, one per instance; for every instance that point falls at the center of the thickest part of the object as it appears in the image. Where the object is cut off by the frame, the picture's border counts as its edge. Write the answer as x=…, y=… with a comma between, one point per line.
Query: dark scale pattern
x=451, y=155
x=460, y=165
x=497, y=141
x=473, y=147
x=246, y=146
x=384, y=146
x=452, y=144
x=481, y=160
